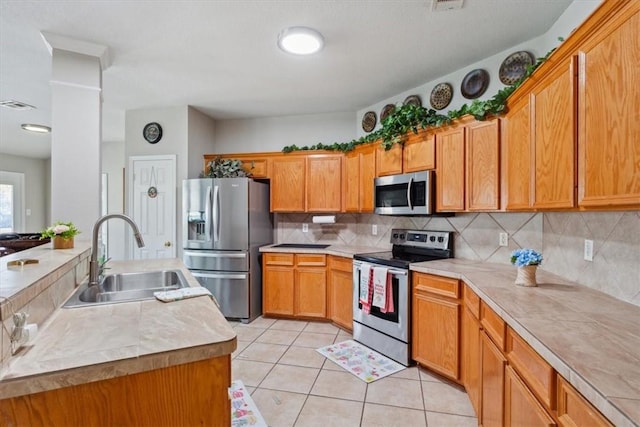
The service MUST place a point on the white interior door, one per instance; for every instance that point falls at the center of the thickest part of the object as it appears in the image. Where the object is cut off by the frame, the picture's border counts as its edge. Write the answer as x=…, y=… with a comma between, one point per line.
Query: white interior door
x=152, y=180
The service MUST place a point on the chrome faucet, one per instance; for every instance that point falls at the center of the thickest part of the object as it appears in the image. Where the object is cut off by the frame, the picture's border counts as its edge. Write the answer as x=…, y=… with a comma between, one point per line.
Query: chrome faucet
x=94, y=268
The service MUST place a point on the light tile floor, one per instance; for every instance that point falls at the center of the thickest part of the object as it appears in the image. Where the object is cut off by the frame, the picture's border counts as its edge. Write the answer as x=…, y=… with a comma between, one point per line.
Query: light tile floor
x=294, y=385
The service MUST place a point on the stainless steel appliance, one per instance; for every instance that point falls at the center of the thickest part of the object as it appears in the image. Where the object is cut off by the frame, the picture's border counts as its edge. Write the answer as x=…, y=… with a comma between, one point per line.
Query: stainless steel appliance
x=390, y=333
x=406, y=194
x=226, y=220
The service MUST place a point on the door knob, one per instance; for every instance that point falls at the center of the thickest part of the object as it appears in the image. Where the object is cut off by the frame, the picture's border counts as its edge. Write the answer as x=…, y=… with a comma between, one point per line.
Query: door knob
x=167, y=244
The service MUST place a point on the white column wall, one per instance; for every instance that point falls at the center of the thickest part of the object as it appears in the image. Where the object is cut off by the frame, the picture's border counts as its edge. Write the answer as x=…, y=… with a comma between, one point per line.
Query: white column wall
x=75, y=139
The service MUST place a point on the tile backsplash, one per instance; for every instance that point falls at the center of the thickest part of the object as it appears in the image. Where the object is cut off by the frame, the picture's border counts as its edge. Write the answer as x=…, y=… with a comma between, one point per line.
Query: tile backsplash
x=559, y=235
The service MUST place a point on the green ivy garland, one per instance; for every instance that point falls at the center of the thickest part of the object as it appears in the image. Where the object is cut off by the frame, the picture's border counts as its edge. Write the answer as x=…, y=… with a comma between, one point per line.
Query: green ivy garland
x=413, y=118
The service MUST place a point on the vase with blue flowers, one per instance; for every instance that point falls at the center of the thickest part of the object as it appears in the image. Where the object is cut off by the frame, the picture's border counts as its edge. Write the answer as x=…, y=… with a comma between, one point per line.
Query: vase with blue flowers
x=527, y=261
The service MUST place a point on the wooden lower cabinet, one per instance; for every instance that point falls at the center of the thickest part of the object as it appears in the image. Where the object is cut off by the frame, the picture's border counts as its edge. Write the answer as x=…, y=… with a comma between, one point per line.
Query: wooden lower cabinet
x=294, y=285
x=492, y=390
x=574, y=410
x=470, y=359
x=340, y=291
x=436, y=324
x=520, y=406
x=190, y=394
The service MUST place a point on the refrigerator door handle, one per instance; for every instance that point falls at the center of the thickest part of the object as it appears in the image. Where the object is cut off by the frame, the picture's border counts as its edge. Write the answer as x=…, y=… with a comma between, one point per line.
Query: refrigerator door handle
x=207, y=214
x=219, y=275
x=216, y=213
x=216, y=255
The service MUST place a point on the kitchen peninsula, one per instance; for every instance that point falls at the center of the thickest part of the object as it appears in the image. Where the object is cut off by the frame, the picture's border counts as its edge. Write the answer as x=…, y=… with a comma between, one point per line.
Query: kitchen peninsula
x=135, y=363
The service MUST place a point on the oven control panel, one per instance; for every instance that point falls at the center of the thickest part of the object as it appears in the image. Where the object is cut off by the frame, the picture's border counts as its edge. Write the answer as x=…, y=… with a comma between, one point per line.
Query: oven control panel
x=422, y=238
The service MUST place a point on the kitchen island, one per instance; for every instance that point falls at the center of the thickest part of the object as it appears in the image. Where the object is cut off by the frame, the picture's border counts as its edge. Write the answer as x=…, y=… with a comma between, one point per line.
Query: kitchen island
x=133, y=363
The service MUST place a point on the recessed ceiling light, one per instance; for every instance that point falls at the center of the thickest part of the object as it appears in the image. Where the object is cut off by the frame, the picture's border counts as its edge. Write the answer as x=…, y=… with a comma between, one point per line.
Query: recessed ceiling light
x=36, y=128
x=300, y=40
x=16, y=105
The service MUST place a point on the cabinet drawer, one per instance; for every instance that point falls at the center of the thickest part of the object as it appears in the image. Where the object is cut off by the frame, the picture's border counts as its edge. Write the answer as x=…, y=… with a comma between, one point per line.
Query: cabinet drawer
x=472, y=301
x=575, y=410
x=257, y=168
x=340, y=263
x=493, y=325
x=533, y=369
x=278, y=259
x=314, y=260
x=436, y=285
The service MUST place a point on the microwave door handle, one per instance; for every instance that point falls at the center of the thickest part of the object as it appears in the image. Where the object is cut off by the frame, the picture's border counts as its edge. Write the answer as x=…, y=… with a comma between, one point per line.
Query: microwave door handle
x=216, y=213
x=409, y=193
x=207, y=214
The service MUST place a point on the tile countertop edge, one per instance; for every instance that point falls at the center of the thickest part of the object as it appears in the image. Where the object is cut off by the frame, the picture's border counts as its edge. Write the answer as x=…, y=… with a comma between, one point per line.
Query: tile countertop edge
x=26, y=373
x=455, y=269
x=346, y=251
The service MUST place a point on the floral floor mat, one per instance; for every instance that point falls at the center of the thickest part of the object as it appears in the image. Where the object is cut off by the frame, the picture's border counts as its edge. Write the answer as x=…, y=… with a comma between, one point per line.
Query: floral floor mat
x=361, y=361
x=244, y=412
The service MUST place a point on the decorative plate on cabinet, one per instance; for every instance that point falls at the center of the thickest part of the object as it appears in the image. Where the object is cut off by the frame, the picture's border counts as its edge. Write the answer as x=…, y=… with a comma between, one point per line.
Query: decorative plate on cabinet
x=514, y=67
x=475, y=83
x=441, y=95
x=386, y=110
x=413, y=100
x=369, y=121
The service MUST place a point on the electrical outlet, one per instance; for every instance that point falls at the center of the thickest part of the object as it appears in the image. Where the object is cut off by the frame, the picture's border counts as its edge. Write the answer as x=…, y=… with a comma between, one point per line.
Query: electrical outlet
x=305, y=228
x=588, y=250
x=374, y=229
x=504, y=239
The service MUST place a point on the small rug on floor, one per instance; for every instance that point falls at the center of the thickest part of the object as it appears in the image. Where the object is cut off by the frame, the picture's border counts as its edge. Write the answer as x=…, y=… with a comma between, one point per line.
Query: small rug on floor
x=361, y=361
x=244, y=411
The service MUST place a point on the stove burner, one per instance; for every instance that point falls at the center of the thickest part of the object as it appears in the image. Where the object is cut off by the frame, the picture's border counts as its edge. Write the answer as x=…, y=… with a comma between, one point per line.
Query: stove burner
x=411, y=246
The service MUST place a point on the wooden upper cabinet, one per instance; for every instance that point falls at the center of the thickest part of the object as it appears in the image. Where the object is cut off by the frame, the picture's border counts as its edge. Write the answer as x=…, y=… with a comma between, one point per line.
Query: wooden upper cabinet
x=359, y=171
x=516, y=157
x=553, y=138
x=609, y=122
x=257, y=164
x=450, y=161
x=419, y=152
x=288, y=184
x=482, y=165
x=388, y=162
x=323, y=183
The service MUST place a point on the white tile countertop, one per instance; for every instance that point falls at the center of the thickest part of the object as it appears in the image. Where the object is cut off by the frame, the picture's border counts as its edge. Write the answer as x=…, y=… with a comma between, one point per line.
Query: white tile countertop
x=588, y=337
x=84, y=344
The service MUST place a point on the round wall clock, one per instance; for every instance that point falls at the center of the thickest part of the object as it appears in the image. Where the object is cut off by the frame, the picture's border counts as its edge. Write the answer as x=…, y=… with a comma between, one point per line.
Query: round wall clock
x=152, y=132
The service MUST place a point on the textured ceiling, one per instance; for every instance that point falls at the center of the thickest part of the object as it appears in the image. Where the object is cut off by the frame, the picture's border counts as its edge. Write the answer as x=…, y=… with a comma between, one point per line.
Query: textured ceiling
x=221, y=56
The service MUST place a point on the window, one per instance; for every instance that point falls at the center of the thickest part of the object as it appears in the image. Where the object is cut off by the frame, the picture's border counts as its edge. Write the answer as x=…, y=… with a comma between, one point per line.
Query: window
x=11, y=201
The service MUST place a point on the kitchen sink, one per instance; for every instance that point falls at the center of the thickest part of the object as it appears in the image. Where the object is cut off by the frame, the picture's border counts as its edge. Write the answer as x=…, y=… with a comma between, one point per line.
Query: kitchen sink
x=302, y=245
x=124, y=287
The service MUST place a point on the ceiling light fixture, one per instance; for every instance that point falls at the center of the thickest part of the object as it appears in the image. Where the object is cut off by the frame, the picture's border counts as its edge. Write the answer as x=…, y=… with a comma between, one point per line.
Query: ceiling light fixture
x=16, y=105
x=36, y=128
x=300, y=40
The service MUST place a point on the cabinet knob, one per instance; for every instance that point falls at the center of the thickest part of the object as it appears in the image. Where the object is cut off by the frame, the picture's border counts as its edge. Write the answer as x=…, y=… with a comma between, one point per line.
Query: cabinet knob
x=167, y=244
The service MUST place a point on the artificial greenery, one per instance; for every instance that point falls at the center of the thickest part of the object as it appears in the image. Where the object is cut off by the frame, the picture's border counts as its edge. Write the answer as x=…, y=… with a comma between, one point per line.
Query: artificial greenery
x=413, y=118
x=224, y=168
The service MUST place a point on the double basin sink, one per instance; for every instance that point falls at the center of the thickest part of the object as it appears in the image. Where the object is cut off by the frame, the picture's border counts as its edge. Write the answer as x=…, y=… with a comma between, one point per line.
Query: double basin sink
x=125, y=287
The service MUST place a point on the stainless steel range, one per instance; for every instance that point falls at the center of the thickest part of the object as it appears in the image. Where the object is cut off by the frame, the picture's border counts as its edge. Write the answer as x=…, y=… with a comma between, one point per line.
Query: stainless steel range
x=382, y=311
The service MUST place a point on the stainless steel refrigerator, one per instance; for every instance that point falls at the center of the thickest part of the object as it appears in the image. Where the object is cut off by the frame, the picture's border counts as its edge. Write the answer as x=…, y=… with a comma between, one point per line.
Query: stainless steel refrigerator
x=226, y=220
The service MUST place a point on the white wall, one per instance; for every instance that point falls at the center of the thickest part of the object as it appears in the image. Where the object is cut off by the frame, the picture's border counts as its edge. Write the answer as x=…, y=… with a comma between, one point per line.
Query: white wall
x=575, y=14
x=201, y=131
x=36, y=182
x=113, y=164
x=274, y=133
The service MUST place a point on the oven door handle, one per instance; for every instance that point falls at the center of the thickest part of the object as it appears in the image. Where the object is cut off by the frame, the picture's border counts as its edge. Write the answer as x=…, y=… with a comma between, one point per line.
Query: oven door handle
x=409, y=193
x=357, y=265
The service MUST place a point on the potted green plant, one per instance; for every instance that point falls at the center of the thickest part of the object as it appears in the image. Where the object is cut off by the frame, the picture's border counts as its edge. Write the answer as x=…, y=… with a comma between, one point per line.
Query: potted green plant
x=224, y=168
x=61, y=234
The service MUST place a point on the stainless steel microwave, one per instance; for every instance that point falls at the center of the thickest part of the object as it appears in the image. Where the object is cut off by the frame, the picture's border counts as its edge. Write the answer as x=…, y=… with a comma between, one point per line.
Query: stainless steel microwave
x=406, y=194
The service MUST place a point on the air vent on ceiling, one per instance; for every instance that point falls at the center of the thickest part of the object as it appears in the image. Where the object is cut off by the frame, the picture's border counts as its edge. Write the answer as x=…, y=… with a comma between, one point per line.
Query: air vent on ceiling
x=440, y=5
x=16, y=105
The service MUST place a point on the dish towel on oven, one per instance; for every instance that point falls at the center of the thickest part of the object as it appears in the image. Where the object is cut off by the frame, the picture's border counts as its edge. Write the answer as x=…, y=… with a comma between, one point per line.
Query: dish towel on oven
x=382, y=292
x=366, y=287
